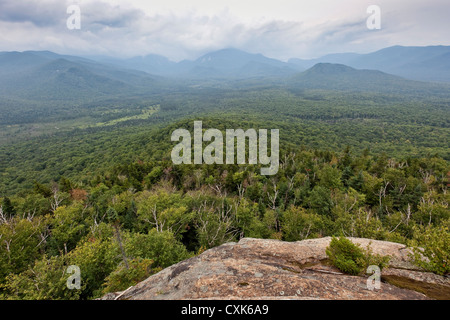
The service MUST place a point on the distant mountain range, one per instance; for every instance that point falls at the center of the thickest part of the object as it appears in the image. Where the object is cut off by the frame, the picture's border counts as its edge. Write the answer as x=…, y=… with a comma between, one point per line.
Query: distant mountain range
x=47, y=76
x=226, y=63
x=44, y=75
x=339, y=77
x=430, y=63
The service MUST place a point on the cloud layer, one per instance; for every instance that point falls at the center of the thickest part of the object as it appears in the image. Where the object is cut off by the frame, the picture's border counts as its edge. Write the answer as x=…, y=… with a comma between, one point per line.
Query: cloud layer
x=185, y=29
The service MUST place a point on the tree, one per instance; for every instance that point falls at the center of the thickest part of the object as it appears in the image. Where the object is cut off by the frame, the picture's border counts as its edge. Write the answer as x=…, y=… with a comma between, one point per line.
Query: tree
x=297, y=224
x=431, y=249
x=215, y=225
x=320, y=200
x=347, y=174
x=7, y=207
x=113, y=218
x=22, y=241
x=161, y=247
x=432, y=209
x=163, y=210
x=68, y=227
x=96, y=258
x=330, y=177
x=124, y=277
x=248, y=220
x=42, y=189
x=45, y=280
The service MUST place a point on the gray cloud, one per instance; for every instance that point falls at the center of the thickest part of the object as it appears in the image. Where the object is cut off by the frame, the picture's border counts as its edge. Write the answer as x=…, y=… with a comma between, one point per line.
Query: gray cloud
x=124, y=30
x=39, y=13
x=101, y=15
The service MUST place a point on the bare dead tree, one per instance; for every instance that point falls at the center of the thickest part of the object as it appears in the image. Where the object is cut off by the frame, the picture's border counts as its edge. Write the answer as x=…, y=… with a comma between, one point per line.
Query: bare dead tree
x=119, y=240
x=401, y=189
x=43, y=235
x=158, y=224
x=3, y=219
x=303, y=235
x=29, y=215
x=426, y=175
x=404, y=218
x=8, y=244
x=156, y=221
x=217, y=187
x=290, y=186
x=57, y=198
x=351, y=207
x=284, y=161
x=292, y=154
x=401, y=220
x=401, y=165
x=236, y=206
x=408, y=214
x=391, y=163
x=382, y=194
x=273, y=198
x=241, y=191
x=428, y=202
x=224, y=232
x=368, y=215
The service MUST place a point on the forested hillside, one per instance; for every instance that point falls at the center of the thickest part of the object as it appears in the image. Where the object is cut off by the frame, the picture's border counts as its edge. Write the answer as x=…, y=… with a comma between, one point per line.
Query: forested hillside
x=136, y=218
x=90, y=182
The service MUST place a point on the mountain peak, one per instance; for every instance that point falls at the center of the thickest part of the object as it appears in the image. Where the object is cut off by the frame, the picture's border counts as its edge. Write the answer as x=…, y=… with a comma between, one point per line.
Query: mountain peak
x=423, y=63
x=342, y=77
x=226, y=54
x=330, y=68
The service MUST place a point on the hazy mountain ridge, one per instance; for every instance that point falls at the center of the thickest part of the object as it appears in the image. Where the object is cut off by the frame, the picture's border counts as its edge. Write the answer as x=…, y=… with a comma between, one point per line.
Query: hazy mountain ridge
x=46, y=76
x=431, y=63
x=49, y=76
x=225, y=63
x=341, y=77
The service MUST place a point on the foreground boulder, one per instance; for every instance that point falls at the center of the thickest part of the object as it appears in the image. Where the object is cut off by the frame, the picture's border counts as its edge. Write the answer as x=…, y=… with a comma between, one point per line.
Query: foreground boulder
x=272, y=269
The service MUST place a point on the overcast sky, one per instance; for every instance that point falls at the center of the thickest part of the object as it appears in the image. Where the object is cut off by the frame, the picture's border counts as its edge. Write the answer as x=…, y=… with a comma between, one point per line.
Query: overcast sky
x=185, y=29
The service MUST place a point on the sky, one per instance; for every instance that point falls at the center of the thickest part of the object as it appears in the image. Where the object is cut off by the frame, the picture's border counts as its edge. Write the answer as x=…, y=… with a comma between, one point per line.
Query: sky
x=186, y=29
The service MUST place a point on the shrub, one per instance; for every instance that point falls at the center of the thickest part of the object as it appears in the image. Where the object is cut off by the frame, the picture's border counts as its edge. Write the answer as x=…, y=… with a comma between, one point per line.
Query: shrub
x=350, y=258
x=161, y=247
x=433, y=250
x=345, y=255
x=46, y=280
x=123, y=278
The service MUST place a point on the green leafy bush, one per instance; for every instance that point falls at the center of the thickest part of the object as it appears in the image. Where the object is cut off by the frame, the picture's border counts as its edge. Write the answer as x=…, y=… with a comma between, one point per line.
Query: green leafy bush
x=350, y=258
x=345, y=255
x=46, y=280
x=161, y=247
x=123, y=278
x=432, y=249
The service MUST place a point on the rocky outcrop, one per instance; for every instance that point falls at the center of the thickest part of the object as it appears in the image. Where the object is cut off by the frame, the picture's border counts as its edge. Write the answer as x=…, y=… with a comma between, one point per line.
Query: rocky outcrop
x=272, y=269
